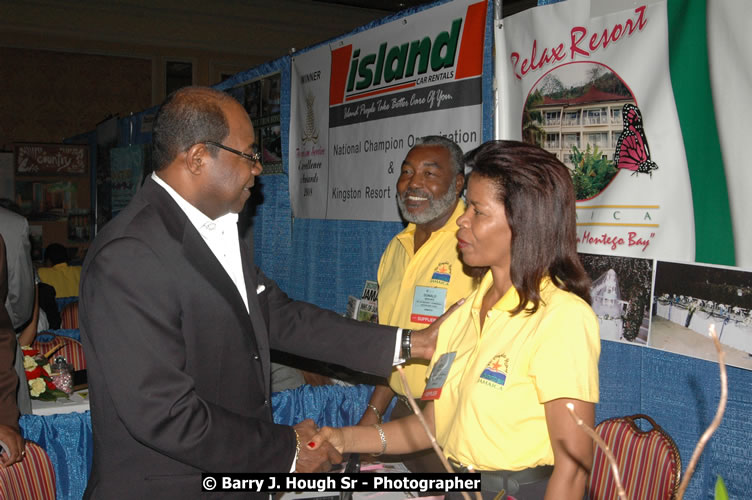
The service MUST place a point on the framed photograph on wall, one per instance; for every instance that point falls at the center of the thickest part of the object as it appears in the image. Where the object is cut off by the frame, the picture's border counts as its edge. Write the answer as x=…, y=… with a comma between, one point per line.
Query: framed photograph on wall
x=261, y=99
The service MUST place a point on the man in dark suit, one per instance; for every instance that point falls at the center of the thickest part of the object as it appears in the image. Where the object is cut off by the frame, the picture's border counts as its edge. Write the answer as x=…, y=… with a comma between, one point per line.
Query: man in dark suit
x=9, y=432
x=177, y=322
x=20, y=298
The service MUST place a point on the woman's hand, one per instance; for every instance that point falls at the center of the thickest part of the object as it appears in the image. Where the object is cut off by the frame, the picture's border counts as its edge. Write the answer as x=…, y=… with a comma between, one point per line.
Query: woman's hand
x=310, y=460
x=335, y=437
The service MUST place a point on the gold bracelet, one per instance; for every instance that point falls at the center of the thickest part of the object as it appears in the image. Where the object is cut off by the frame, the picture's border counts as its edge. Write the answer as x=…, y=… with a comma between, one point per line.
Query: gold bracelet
x=297, y=443
x=382, y=436
x=377, y=412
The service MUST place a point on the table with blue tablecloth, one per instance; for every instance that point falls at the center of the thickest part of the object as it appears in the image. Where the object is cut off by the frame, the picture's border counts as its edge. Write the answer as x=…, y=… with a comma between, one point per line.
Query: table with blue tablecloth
x=67, y=438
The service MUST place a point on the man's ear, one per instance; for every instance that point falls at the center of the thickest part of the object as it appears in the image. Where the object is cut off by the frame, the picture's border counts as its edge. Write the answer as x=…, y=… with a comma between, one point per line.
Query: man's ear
x=459, y=183
x=196, y=157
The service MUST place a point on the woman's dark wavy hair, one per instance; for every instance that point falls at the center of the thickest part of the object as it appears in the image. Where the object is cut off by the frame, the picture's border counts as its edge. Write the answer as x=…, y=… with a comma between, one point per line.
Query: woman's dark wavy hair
x=188, y=116
x=538, y=196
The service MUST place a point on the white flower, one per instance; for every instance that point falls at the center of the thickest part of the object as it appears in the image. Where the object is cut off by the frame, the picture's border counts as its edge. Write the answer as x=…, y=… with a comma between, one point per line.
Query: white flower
x=37, y=387
x=47, y=369
x=29, y=363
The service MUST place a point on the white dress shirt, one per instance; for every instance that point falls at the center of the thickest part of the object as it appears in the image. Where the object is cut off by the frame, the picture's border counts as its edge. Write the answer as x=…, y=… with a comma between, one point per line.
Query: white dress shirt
x=220, y=235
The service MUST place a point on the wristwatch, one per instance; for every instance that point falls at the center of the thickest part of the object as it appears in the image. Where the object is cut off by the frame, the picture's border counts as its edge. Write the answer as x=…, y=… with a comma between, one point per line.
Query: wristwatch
x=406, y=344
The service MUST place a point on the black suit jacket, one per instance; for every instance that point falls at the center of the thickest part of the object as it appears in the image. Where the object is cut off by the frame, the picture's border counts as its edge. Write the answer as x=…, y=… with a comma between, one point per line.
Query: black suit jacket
x=179, y=371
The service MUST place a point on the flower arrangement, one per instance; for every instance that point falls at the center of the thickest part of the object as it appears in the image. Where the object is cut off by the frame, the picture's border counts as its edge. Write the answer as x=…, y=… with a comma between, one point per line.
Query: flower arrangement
x=39, y=375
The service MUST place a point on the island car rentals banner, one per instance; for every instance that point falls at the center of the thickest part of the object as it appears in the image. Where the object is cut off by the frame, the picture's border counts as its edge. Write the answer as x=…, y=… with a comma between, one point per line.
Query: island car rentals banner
x=594, y=89
x=358, y=106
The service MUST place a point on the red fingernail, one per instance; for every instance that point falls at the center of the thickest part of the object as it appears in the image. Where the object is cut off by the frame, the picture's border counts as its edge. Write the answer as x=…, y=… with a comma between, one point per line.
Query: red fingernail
x=311, y=444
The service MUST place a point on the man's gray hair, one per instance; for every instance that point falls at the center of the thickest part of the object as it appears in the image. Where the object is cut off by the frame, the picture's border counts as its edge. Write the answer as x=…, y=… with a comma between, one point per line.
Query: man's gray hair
x=455, y=152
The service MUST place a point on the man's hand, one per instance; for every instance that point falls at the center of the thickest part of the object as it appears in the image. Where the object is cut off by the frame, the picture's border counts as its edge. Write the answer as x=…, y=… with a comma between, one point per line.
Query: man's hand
x=319, y=459
x=329, y=435
x=424, y=341
x=15, y=443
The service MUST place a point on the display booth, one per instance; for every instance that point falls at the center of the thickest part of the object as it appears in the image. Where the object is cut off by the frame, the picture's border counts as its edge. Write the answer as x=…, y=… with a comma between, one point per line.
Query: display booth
x=605, y=86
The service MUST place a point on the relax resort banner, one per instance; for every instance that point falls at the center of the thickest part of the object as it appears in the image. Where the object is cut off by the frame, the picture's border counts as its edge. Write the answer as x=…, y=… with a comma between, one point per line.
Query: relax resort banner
x=594, y=89
x=653, y=298
x=359, y=105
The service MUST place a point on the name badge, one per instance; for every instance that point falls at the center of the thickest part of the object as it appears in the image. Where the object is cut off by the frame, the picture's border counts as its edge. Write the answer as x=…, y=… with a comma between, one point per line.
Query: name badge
x=428, y=304
x=438, y=376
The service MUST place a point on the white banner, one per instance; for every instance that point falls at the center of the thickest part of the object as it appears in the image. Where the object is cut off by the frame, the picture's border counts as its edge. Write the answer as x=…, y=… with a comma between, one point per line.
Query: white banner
x=384, y=88
x=729, y=39
x=309, y=133
x=595, y=90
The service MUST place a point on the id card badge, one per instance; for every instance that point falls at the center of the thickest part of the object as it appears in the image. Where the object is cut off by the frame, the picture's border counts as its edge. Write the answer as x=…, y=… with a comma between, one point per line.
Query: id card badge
x=428, y=304
x=438, y=376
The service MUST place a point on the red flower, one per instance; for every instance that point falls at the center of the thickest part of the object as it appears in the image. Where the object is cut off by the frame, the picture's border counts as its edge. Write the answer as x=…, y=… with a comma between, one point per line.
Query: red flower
x=50, y=385
x=30, y=352
x=36, y=372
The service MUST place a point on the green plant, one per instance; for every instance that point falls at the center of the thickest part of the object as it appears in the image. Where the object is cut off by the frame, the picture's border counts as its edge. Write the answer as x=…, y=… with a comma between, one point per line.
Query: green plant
x=633, y=317
x=592, y=172
x=720, y=489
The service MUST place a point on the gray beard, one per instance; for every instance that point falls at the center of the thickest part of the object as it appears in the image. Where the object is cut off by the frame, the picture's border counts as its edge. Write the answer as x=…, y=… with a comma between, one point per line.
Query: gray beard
x=436, y=207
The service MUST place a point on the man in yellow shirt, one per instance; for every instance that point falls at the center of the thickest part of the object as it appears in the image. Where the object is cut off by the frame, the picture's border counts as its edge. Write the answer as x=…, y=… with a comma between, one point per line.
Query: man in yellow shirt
x=59, y=274
x=420, y=274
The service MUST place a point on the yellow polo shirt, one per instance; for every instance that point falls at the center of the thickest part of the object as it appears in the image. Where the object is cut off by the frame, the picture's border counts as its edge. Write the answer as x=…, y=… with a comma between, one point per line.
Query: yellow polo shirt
x=415, y=288
x=63, y=278
x=490, y=411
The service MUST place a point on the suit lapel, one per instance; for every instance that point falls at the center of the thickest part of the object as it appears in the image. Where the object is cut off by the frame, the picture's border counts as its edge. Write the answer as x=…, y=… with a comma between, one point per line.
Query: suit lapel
x=202, y=259
x=196, y=251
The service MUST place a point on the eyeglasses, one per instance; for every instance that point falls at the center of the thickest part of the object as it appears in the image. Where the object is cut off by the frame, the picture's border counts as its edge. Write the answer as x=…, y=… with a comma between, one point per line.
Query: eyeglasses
x=253, y=157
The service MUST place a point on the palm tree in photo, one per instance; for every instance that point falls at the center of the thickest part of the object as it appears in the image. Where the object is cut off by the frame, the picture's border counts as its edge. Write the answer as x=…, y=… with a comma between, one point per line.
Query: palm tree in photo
x=532, y=120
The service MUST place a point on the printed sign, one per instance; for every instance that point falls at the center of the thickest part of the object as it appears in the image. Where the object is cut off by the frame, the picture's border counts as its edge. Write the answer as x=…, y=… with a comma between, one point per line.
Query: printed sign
x=51, y=159
x=596, y=92
x=360, y=105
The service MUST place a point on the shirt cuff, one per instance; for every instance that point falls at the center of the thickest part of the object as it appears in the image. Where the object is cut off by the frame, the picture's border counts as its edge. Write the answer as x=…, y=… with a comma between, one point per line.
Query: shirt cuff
x=398, y=349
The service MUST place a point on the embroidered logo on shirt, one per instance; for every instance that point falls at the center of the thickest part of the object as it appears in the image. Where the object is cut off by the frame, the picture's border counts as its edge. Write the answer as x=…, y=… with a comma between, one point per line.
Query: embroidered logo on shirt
x=495, y=374
x=442, y=274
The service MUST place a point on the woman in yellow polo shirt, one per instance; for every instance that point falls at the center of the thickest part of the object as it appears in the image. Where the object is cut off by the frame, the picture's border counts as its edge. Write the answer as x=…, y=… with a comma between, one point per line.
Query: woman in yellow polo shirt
x=520, y=348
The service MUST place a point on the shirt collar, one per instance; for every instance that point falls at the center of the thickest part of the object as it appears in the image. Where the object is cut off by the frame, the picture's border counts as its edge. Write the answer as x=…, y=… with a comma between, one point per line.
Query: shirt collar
x=510, y=299
x=199, y=220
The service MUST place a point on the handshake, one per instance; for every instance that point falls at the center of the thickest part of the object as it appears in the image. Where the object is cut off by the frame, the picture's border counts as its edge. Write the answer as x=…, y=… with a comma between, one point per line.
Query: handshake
x=319, y=448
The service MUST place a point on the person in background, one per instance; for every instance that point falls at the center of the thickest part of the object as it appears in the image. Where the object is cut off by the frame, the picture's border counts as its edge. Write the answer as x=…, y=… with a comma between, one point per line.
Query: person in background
x=19, y=303
x=48, y=311
x=38, y=318
x=523, y=346
x=9, y=432
x=420, y=273
x=177, y=322
x=63, y=278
